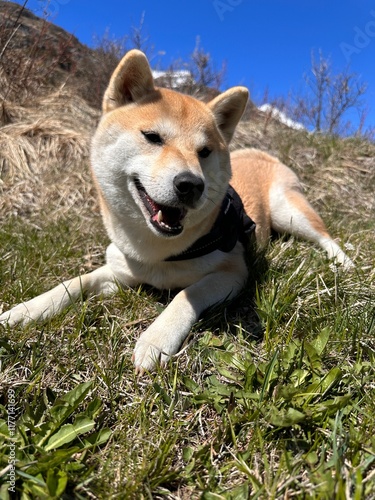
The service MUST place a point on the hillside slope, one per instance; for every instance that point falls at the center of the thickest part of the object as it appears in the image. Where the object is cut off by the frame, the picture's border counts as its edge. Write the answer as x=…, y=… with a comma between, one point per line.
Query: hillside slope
x=37, y=55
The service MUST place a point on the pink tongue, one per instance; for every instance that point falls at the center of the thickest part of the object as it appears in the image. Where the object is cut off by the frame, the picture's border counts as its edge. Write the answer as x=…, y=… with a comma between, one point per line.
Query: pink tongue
x=168, y=215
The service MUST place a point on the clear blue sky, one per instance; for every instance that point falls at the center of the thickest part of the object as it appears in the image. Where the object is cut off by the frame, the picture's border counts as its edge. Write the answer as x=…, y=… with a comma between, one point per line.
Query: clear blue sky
x=265, y=43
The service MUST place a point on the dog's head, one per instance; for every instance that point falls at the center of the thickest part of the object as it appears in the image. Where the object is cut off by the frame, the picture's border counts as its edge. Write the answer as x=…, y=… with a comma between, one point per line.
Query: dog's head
x=160, y=153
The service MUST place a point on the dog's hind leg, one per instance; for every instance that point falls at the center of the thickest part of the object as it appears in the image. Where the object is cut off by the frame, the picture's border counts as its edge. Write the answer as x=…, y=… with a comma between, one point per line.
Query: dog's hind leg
x=101, y=281
x=291, y=213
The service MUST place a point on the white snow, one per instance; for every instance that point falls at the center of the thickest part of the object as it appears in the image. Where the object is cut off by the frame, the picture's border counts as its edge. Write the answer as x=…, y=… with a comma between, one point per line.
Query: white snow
x=282, y=117
x=177, y=78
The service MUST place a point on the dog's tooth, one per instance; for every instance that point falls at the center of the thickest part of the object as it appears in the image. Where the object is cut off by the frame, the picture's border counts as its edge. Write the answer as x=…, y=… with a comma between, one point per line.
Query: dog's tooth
x=160, y=216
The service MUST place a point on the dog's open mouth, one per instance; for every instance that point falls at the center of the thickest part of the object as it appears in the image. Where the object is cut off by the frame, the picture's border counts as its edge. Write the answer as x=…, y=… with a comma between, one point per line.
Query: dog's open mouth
x=167, y=220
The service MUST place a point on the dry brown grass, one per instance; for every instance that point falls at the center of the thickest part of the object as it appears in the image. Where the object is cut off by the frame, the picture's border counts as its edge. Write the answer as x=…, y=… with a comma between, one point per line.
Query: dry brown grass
x=44, y=151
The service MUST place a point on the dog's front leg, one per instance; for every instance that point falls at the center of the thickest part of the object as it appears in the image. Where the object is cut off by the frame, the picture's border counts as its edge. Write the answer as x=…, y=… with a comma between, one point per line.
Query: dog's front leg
x=166, y=334
x=100, y=281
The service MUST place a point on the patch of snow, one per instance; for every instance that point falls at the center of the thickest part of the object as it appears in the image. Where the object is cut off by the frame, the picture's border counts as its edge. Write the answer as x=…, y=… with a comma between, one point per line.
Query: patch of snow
x=176, y=78
x=280, y=116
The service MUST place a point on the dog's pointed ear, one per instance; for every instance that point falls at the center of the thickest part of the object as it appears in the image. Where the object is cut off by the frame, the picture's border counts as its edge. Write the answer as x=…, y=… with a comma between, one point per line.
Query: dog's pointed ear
x=228, y=108
x=131, y=80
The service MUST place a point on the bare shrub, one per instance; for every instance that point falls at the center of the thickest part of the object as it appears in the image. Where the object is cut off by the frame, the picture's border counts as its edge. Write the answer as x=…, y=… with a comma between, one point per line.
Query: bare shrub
x=198, y=76
x=328, y=97
x=141, y=40
x=203, y=70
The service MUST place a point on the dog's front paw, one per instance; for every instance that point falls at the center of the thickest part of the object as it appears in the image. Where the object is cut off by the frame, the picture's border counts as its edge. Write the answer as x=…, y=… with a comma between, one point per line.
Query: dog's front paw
x=20, y=314
x=152, y=349
x=147, y=356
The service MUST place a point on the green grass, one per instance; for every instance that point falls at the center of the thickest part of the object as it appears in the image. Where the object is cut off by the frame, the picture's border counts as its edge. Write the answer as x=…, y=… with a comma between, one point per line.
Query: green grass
x=273, y=399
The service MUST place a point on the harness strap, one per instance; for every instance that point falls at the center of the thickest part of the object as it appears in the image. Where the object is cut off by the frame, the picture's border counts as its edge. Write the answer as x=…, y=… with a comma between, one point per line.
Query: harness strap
x=231, y=225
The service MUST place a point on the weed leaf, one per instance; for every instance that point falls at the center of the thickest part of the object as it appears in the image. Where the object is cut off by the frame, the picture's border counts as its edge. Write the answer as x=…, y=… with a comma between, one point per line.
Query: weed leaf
x=52, y=460
x=97, y=438
x=56, y=482
x=285, y=418
x=69, y=432
x=69, y=402
x=320, y=342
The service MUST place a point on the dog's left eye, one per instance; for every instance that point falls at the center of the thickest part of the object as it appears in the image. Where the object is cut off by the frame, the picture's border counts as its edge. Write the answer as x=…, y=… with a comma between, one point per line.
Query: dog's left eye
x=153, y=137
x=204, y=153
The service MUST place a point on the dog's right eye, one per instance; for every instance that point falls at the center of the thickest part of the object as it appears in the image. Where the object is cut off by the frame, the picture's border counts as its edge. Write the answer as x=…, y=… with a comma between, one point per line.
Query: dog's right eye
x=153, y=137
x=204, y=153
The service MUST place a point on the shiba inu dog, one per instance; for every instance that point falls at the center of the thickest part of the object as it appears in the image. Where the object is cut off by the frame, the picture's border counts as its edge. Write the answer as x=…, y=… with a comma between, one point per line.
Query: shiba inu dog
x=162, y=168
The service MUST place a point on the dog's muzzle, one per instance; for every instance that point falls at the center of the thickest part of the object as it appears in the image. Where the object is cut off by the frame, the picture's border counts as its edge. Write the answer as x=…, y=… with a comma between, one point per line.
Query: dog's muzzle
x=166, y=219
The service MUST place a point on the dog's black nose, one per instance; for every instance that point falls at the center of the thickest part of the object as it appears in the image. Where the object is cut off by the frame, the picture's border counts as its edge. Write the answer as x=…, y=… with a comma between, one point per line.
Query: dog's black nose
x=188, y=187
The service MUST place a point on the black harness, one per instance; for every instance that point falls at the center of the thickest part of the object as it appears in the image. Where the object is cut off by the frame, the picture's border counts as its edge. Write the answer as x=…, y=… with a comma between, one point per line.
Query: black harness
x=231, y=225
